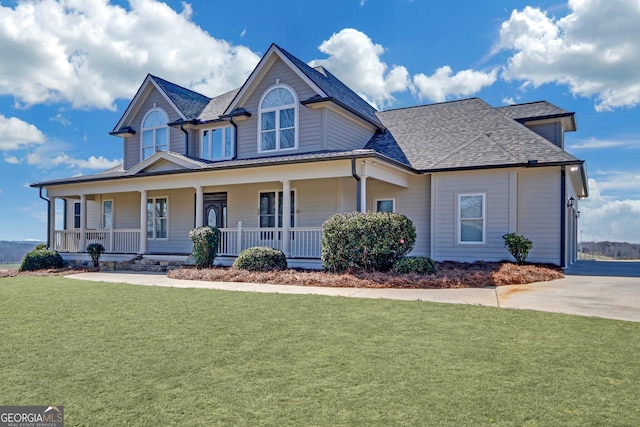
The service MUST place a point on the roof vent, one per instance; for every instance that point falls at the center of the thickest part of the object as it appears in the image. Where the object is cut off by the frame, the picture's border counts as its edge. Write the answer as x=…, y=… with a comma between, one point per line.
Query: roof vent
x=532, y=162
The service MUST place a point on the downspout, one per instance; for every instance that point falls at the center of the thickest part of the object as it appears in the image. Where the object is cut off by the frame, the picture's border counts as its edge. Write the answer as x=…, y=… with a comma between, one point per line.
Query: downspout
x=48, y=218
x=358, y=185
x=186, y=140
x=235, y=138
x=563, y=217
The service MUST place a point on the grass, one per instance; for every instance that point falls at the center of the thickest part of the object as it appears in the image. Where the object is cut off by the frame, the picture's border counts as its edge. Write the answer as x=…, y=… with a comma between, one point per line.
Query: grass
x=145, y=356
x=9, y=266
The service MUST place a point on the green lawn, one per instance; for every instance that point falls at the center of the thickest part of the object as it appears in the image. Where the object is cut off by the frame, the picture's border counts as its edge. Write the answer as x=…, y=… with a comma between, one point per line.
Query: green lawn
x=14, y=266
x=117, y=355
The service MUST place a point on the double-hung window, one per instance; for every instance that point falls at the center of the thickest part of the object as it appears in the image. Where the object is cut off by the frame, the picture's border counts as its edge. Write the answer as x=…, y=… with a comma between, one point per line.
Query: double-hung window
x=107, y=214
x=155, y=133
x=76, y=214
x=157, y=218
x=269, y=205
x=217, y=144
x=471, y=218
x=385, y=205
x=278, y=118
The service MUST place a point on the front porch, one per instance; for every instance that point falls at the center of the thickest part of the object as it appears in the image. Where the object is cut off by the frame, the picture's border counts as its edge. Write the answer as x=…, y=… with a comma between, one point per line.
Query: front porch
x=303, y=242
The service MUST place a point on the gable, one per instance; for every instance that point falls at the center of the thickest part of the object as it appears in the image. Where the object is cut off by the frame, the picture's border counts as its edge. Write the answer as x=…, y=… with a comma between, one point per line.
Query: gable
x=164, y=161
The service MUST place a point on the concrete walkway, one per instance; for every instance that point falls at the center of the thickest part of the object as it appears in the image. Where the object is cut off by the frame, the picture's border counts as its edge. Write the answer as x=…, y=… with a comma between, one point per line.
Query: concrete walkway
x=606, y=296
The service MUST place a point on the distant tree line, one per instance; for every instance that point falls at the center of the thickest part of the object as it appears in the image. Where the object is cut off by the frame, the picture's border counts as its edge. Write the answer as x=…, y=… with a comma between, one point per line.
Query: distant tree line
x=615, y=250
x=13, y=252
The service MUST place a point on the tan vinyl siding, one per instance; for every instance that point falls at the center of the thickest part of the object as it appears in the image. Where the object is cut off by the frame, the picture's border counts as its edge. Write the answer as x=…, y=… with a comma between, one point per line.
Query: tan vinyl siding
x=309, y=121
x=549, y=131
x=495, y=186
x=539, y=212
x=132, y=144
x=181, y=205
x=346, y=134
x=414, y=202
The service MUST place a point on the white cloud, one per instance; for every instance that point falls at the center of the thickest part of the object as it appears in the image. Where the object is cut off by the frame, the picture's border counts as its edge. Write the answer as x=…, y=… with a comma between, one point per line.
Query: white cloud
x=40, y=159
x=16, y=134
x=89, y=53
x=355, y=59
x=593, y=50
x=12, y=160
x=59, y=118
x=443, y=83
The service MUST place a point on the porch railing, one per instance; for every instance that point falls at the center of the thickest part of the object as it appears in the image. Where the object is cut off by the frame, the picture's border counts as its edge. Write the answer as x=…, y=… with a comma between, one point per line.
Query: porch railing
x=124, y=241
x=304, y=242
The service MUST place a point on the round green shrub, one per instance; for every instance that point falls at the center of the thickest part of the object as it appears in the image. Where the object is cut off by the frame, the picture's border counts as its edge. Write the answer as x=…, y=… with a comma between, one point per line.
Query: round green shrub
x=415, y=264
x=518, y=246
x=39, y=259
x=261, y=258
x=95, y=252
x=366, y=241
x=205, y=245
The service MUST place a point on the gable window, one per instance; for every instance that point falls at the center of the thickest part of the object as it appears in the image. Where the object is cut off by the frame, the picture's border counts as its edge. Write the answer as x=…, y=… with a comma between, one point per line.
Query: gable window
x=278, y=118
x=471, y=218
x=217, y=143
x=107, y=214
x=269, y=205
x=155, y=133
x=76, y=214
x=385, y=205
x=157, y=218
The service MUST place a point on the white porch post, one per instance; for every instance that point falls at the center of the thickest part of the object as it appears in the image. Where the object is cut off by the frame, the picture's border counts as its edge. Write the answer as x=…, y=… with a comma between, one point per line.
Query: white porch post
x=83, y=224
x=143, y=222
x=286, y=216
x=52, y=223
x=199, y=207
x=363, y=193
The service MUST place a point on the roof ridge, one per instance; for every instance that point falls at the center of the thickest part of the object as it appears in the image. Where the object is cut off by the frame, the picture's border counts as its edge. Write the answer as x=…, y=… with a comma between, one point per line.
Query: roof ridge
x=432, y=104
x=177, y=85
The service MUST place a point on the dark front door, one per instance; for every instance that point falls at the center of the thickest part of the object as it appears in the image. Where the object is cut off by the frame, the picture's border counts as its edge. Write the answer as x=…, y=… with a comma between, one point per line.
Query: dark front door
x=215, y=210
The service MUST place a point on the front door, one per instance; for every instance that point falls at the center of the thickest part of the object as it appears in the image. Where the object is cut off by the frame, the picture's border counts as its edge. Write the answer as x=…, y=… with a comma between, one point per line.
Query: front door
x=215, y=210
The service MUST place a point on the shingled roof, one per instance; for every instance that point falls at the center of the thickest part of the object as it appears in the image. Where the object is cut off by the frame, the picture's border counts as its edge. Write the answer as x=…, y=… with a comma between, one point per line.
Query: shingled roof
x=465, y=134
x=532, y=110
x=189, y=103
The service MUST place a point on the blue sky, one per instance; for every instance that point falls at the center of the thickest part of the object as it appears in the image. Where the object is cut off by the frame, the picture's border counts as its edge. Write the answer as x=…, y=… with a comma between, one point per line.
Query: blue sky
x=69, y=69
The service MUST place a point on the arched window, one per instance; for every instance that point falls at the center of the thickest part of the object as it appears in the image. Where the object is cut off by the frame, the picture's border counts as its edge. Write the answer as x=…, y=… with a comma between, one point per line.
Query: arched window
x=155, y=133
x=278, y=120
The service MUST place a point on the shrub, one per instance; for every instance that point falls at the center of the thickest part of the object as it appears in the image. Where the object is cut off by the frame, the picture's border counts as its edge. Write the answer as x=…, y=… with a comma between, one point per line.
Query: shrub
x=95, y=252
x=415, y=264
x=205, y=245
x=39, y=259
x=40, y=246
x=366, y=241
x=518, y=246
x=261, y=258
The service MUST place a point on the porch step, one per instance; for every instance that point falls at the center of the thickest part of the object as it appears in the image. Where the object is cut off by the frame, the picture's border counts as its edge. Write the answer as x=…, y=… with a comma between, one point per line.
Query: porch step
x=155, y=263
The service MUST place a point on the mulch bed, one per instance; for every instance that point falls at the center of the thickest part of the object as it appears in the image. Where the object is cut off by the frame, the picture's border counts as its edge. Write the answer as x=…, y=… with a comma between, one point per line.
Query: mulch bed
x=450, y=275
x=45, y=272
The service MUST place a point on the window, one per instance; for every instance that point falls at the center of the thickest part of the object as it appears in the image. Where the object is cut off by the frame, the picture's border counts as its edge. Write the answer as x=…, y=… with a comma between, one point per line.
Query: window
x=269, y=206
x=157, y=218
x=471, y=218
x=107, y=214
x=76, y=214
x=386, y=205
x=278, y=118
x=155, y=133
x=217, y=143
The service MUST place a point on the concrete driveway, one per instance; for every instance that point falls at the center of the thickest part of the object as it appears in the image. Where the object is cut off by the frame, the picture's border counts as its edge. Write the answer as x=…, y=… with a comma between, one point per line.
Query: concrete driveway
x=590, y=288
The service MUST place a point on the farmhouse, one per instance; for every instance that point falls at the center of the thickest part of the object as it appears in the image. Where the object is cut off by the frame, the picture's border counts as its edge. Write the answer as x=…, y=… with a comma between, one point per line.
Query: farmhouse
x=269, y=162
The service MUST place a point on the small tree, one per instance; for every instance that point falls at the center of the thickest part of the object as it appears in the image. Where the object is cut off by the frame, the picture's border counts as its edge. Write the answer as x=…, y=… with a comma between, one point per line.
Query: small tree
x=205, y=245
x=518, y=246
x=95, y=252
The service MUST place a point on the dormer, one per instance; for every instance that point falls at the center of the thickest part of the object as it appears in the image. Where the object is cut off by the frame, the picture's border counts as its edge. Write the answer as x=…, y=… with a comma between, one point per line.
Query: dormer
x=544, y=118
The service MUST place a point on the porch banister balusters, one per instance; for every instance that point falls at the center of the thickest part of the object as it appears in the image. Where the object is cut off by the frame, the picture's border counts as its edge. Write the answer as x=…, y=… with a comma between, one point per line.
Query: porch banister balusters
x=286, y=216
x=143, y=221
x=239, y=241
x=83, y=223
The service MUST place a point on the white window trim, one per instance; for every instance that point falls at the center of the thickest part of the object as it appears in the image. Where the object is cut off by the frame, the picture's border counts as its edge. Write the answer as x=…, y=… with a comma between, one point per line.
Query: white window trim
x=484, y=218
x=226, y=129
x=142, y=129
x=153, y=235
x=113, y=213
x=73, y=215
x=296, y=114
x=386, y=199
x=293, y=207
